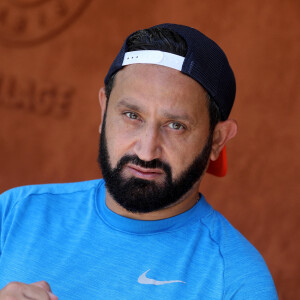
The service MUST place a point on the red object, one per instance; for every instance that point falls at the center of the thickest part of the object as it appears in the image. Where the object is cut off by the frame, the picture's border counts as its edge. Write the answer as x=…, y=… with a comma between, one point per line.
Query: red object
x=219, y=166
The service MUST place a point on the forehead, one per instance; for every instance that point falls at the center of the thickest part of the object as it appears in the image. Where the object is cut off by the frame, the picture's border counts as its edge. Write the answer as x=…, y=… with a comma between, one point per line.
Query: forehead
x=159, y=86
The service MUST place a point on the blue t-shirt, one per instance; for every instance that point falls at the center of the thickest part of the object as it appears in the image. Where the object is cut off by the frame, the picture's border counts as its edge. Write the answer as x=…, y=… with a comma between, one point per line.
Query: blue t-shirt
x=65, y=234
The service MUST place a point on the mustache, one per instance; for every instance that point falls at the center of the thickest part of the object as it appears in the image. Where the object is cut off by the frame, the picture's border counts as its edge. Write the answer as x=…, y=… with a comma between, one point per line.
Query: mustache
x=152, y=164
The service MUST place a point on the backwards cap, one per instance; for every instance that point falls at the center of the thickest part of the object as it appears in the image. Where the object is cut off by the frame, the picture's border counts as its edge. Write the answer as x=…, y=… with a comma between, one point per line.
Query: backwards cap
x=204, y=61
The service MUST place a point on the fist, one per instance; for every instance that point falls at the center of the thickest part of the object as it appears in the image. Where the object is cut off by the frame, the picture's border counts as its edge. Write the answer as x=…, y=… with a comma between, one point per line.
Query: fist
x=19, y=291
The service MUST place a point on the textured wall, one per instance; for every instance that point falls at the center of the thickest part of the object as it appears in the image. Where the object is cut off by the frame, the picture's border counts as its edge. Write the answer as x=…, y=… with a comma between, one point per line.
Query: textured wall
x=54, y=56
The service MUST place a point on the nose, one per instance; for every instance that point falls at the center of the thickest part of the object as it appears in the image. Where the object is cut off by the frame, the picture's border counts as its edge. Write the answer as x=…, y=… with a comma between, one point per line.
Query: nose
x=148, y=144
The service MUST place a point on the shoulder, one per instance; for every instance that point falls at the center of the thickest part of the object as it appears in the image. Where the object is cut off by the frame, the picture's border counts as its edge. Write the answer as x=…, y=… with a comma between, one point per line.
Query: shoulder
x=246, y=275
x=51, y=188
x=11, y=198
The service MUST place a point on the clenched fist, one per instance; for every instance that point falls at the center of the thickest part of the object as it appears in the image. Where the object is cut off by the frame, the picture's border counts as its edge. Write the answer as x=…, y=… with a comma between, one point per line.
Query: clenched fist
x=19, y=291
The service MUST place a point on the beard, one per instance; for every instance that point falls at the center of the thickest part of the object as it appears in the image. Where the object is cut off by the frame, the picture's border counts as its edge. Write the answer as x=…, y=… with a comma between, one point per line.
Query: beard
x=143, y=196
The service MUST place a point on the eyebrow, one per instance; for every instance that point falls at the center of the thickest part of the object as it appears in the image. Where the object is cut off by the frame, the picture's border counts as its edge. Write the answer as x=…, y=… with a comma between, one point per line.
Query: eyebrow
x=183, y=117
x=129, y=105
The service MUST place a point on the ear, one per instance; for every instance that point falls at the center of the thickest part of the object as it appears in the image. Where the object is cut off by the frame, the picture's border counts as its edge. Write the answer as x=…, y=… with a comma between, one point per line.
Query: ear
x=223, y=132
x=103, y=102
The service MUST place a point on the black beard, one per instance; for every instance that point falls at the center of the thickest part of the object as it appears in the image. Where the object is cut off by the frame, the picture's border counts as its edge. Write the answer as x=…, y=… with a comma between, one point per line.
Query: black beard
x=143, y=196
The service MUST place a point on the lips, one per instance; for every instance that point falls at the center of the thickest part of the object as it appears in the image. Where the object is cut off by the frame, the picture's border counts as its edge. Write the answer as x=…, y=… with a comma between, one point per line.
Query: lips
x=144, y=173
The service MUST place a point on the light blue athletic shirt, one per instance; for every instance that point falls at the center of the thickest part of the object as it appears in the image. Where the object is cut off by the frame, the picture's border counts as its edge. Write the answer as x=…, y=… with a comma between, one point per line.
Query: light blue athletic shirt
x=66, y=235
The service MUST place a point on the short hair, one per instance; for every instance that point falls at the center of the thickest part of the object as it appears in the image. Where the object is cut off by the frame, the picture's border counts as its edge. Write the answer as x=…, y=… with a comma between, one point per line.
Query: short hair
x=166, y=40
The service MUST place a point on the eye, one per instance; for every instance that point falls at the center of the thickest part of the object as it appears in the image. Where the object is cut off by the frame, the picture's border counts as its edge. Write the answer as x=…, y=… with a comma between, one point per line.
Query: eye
x=176, y=126
x=131, y=115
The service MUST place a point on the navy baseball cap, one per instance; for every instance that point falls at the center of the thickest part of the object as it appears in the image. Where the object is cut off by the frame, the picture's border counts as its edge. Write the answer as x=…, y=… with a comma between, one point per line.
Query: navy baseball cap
x=204, y=61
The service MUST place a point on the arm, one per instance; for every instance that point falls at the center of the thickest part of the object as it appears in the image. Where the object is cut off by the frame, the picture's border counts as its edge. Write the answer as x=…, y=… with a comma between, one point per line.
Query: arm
x=17, y=290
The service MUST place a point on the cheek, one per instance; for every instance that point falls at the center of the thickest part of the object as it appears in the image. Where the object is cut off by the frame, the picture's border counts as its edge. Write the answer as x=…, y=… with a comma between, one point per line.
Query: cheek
x=181, y=155
x=118, y=141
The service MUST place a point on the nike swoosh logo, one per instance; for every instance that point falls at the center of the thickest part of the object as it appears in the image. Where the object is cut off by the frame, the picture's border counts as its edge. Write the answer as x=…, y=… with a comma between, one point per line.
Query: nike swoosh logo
x=143, y=279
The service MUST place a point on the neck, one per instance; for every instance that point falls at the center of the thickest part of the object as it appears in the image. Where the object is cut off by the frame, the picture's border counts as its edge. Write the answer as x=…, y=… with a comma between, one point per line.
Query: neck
x=183, y=204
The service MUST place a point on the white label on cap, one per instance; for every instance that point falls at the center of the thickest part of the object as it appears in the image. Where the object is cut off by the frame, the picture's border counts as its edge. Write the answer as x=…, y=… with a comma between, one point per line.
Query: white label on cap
x=154, y=57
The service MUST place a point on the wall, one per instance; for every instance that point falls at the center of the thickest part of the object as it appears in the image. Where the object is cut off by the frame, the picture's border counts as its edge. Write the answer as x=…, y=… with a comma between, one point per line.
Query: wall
x=55, y=54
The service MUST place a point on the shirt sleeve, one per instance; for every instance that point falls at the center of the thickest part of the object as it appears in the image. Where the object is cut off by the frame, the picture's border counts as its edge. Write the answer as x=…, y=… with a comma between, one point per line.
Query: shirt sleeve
x=247, y=276
x=8, y=201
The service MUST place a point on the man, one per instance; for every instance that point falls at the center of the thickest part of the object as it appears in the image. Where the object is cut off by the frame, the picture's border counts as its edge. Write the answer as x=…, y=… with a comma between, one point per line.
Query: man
x=145, y=232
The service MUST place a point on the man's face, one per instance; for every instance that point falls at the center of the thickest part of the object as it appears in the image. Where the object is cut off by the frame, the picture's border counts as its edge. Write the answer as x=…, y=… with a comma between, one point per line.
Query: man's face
x=154, y=145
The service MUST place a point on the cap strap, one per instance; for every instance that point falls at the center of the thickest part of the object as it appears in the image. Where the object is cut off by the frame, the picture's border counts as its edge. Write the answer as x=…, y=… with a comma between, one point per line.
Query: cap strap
x=155, y=57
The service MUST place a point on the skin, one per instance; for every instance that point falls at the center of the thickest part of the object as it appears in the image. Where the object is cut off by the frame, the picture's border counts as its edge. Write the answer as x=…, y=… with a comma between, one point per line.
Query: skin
x=158, y=112
x=153, y=112
x=19, y=291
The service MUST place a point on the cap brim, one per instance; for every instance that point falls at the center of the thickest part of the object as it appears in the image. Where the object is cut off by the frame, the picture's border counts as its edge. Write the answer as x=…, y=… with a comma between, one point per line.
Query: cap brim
x=219, y=166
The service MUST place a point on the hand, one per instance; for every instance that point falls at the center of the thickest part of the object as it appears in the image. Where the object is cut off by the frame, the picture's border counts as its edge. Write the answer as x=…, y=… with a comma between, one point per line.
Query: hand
x=19, y=291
